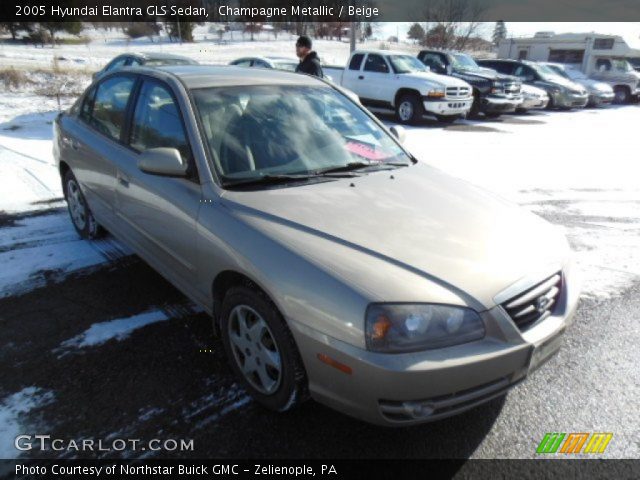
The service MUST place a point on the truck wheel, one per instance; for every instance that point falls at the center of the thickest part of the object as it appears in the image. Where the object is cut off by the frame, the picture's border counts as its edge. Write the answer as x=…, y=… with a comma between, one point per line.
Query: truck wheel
x=261, y=349
x=447, y=118
x=409, y=109
x=81, y=215
x=622, y=95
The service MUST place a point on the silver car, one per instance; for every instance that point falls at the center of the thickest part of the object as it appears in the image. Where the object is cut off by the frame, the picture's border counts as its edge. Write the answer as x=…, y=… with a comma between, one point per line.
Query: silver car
x=335, y=264
x=600, y=93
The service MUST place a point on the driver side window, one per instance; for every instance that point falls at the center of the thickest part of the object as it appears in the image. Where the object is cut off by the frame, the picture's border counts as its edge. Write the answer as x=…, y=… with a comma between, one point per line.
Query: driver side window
x=376, y=63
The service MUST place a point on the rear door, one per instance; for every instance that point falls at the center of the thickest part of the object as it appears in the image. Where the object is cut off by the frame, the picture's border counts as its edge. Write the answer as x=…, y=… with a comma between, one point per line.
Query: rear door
x=159, y=212
x=93, y=139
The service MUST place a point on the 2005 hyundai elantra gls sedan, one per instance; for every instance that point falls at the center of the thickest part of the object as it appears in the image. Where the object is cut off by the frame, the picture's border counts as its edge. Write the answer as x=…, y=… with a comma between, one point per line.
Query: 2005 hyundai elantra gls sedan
x=335, y=264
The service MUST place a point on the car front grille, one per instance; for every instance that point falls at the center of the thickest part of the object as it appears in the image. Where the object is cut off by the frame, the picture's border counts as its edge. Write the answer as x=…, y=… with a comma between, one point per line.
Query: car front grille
x=457, y=92
x=535, y=304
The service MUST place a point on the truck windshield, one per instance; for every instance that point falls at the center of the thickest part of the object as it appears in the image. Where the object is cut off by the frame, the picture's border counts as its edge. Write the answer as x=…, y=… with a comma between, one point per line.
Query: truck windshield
x=406, y=64
x=621, y=65
x=464, y=62
x=262, y=131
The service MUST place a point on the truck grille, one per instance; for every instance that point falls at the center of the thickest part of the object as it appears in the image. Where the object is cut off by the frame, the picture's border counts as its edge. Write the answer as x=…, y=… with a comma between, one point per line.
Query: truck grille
x=458, y=92
x=512, y=88
x=535, y=304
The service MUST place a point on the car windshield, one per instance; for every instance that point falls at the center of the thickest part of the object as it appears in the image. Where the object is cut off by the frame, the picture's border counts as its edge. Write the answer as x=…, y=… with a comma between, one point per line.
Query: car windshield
x=263, y=131
x=621, y=65
x=406, y=64
x=156, y=62
x=559, y=71
x=546, y=72
x=464, y=62
x=285, y=65
x=575, y=74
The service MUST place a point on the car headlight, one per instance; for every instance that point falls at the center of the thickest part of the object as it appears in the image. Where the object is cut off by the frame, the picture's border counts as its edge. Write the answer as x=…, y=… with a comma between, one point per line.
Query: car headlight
x=435, y=93
x=555, y=90
x=497, y=89
x=399, y=327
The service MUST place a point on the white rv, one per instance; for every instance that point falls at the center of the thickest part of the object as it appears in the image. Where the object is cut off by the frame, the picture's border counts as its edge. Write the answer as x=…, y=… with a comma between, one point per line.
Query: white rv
x=601, y=57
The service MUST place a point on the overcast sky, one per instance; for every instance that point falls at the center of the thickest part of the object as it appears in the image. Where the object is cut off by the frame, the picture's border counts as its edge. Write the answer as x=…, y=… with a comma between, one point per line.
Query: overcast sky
x=629, y=30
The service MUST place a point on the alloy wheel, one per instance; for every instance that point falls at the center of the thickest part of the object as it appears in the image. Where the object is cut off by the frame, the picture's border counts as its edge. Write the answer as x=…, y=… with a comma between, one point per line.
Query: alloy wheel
x=255, y=349
x=76, y=204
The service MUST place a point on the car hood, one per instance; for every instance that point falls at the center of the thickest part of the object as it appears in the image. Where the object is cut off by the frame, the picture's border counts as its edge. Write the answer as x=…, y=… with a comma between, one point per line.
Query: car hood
x=531, y=90
x=563, y=82
x=594, y=85
x=414, y=218
x=484, y=74
x=443, y=80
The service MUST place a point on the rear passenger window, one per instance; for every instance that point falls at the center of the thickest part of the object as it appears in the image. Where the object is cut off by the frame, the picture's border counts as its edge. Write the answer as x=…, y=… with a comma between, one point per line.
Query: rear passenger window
x=110, y=105
x=356, y=61
x=157, y=122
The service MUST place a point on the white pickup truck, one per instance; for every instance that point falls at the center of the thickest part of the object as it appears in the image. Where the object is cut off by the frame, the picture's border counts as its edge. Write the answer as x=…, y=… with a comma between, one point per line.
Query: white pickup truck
x=398, y=81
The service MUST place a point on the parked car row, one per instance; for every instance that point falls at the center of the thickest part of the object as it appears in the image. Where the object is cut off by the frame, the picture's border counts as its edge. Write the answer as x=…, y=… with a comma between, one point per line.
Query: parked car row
x=334, y=263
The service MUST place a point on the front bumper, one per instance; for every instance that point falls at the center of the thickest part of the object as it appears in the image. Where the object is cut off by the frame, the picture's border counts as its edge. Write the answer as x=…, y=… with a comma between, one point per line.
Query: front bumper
x=601, y=98
x=530, y=103
x=570, y=100
x=495, y=104
x=411, y=388
x=459, y=106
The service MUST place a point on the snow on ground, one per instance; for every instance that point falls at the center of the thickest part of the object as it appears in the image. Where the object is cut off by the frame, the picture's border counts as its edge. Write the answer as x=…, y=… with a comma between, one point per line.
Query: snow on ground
x=118, y=329
x=46, y=248
x=13, y=409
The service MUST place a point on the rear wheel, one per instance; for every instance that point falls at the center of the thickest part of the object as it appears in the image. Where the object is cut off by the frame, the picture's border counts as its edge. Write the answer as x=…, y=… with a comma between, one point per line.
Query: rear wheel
x=622, y=95
x=81, y=215
x=409, y=109
x=261, y=349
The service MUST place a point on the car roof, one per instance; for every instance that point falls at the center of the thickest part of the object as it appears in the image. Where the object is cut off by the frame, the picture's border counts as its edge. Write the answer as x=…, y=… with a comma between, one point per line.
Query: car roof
x=383, y=52
x=203, y=76
x=158, y=56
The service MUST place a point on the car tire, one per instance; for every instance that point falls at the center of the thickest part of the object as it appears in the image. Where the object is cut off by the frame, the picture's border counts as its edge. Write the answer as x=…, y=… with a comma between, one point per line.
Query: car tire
x=409, y=109
x=447, y=118
x=81, y=216
x=622, y=95
x=261, y=350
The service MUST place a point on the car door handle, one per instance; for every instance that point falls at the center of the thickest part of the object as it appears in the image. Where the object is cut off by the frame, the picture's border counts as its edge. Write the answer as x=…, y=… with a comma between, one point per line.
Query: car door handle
x=361, y=77
x=123, y=179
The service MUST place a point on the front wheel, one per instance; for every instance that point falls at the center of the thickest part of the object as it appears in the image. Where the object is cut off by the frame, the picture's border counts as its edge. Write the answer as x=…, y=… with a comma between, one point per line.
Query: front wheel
x=409, y=109
x=81, y=215
x=261, y=350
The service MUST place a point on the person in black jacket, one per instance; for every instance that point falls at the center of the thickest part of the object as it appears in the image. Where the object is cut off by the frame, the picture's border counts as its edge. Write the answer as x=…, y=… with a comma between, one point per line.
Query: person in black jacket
x=309, y=61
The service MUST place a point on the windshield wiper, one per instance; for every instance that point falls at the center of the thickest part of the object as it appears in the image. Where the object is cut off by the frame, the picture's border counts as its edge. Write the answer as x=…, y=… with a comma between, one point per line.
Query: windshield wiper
x=269, y=180
x=344, y=168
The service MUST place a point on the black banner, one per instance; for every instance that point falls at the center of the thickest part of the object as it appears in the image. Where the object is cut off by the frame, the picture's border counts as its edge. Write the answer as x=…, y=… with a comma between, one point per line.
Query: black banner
x=320, y=10
x=320, y=469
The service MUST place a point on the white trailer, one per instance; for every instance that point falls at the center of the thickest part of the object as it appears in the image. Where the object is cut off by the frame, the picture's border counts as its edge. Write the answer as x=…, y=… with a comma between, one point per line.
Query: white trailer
x=601, y=57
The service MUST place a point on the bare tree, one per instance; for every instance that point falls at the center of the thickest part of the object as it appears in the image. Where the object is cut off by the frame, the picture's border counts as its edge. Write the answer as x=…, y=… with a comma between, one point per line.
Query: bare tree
x=452, y=22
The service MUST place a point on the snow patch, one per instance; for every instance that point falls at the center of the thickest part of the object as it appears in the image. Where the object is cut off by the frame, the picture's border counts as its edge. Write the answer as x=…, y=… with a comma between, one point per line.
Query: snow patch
x=13, y=410
x=119, y=329
x=46, y=248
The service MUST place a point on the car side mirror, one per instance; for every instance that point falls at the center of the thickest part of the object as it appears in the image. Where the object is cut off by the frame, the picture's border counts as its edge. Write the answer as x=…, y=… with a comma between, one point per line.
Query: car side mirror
x=162, y=161
x=398, y=132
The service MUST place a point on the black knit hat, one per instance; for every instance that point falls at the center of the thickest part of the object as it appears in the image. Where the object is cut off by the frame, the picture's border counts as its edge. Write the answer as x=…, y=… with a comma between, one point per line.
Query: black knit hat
x=303, y=41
